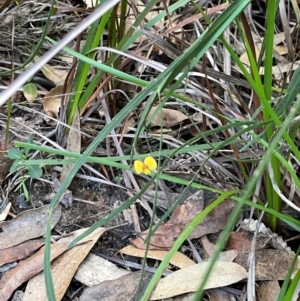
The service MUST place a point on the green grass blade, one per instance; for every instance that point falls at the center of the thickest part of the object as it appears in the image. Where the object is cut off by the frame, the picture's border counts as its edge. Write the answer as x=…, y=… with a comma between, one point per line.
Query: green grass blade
x=93, y=40
x=285, y=295
x=292, y=288
x=291, y=94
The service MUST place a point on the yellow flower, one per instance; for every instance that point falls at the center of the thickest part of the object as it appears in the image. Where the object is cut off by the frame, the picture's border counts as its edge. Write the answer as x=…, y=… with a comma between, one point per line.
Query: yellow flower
x=145, y=167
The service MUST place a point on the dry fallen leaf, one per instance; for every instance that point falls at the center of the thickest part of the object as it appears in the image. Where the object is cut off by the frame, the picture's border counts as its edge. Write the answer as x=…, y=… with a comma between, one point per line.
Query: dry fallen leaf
x=183, y=297
x=245, y=59
x=265, y=235
x=95, y=270
x=217, y=294
x=26, y=269
x=165, y=117
x=209, y=248
x=189, y=279
x=65, y=265
x=162, y=239
x=229, y=255
x=27, y=225
x=130, y=124
x=52, y=101
x=276, y=70
x=165, y=235
x=57, y=76
x=179, y=259
x=215, y=221
x=161, y=198
x=268, y=290
x=122, y=289
x=269, y=264
x=20, y=251
x=282, y=68
x=241, y=241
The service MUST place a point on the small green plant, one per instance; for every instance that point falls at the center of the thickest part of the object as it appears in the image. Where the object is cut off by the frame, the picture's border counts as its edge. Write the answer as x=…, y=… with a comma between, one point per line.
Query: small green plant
x=32, y=171
x=23, y=187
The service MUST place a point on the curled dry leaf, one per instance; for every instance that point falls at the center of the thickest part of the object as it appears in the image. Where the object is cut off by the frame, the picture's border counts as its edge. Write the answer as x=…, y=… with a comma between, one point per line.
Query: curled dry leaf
x=165, y=117
x=165, y=235
x=215, y=221
x=57, y=76
x=198, y=117
x=52, y=101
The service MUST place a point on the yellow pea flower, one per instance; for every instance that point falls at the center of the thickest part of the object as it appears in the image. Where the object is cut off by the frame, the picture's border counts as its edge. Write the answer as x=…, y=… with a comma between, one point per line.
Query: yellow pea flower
x=145, y=167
